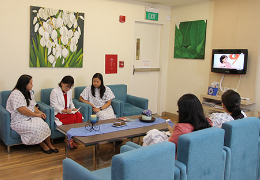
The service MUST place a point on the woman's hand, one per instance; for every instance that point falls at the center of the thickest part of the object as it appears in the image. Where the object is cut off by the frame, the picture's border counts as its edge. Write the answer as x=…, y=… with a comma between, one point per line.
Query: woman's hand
x=171, y=129
x=96, y=109
x=42, y=115
x=68, y=111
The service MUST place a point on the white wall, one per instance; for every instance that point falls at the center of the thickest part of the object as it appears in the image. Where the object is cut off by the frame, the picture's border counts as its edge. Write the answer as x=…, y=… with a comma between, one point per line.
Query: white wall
x=189, y=75
x=103, y=34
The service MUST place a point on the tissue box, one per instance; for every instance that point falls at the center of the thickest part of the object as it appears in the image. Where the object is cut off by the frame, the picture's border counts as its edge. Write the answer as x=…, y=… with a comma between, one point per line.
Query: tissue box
x=212, y=91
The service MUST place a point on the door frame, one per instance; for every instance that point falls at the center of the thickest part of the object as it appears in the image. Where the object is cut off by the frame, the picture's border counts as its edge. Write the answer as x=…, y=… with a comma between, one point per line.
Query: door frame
x=162, y=71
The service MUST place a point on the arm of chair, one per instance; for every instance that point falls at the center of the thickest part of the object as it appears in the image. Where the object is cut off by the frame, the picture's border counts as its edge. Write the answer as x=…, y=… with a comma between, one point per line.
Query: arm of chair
x=73, y=170
x=129, y=146
x=227, y=162
x=47, y=110
x=5, y=122
x=182, y=168
x=259, y=158
x=129, y=143
x=126, y=148
x=85, y=110
x=137, y=101
x=117, y=106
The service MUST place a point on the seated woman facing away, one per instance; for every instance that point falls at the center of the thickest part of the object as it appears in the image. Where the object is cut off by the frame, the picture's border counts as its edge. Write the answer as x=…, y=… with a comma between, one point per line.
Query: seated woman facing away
x=26, y=119
x=99, y=97
x=191, y=118
x=231, y=104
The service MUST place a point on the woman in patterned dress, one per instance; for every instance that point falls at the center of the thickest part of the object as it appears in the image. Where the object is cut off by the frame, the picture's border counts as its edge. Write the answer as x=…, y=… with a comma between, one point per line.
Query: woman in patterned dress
x=231, y=105
x=26, y=119
x=99, y=97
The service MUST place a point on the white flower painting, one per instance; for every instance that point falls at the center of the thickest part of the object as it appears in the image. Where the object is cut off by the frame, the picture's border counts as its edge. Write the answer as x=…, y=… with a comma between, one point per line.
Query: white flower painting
x=56, y=38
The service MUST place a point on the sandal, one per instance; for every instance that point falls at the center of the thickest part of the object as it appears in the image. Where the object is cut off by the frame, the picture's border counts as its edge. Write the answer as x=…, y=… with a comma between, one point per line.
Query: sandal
x=71, y=144
x=75, y=146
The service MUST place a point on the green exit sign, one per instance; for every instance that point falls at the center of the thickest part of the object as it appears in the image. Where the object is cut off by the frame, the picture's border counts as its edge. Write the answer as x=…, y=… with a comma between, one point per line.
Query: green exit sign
x=152, y=13
x=152, y=16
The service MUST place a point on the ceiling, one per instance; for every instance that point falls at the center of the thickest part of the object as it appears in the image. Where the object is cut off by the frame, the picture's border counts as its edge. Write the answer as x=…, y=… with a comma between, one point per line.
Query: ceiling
x=172, y=2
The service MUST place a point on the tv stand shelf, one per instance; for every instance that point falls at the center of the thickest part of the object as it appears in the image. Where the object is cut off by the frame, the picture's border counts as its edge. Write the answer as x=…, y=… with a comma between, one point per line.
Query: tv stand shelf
x=213, y=104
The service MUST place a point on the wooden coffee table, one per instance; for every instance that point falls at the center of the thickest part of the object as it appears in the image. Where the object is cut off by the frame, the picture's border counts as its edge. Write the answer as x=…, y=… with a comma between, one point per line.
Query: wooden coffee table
x=96, y=139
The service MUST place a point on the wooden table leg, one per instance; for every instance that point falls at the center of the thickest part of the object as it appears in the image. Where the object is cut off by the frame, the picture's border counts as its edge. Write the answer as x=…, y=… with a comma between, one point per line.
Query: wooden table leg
x=66, y=146
x=95, y=157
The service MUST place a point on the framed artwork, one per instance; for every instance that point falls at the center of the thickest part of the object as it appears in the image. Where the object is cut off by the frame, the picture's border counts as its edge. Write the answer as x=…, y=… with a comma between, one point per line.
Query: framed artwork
x=56, y=38
x=190, y=39
x=110, y=63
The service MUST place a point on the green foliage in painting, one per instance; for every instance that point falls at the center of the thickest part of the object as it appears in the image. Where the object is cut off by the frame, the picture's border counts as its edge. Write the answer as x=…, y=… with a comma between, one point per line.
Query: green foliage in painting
x=190, y=39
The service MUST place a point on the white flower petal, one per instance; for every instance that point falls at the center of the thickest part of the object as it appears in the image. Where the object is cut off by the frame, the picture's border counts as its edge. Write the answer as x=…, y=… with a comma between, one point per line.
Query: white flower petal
x=54, y=34
x=73, y=48
x=36, y=27
x=64, y=40
x=65, y=52
x=42, y=42
x=76, y=34
x=51, y=59
x=34, y=20
x=41, y=31
x=72, y=18
x=81, y=17
x=79, y=30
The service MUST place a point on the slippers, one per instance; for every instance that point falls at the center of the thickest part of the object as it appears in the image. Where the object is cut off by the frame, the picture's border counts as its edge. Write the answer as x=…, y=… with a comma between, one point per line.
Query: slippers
x=47, y=152
x=54, y=150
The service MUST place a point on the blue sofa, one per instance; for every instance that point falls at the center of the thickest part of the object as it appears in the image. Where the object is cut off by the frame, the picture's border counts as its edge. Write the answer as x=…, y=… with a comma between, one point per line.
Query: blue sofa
x=7, y=135
x=149, y=163
x=45, y=101
x=123, y=104
x=130, y=105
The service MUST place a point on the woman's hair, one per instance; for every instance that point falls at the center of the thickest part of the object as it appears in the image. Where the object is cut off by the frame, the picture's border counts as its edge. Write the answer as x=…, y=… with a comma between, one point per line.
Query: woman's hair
x=232, y=100
x=102, y=88
x=21, y=84
x=67, y=80
x=222, y=57
x=191, y=111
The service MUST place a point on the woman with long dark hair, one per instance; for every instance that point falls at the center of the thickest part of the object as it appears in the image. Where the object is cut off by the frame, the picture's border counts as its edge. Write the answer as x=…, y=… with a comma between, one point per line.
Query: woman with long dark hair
x=26, y=119
x=99, y=97
x=191, y=118
x=231, y=105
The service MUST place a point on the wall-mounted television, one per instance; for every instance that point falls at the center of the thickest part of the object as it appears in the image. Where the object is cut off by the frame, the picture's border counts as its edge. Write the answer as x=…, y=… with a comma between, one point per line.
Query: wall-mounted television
x=229, y=61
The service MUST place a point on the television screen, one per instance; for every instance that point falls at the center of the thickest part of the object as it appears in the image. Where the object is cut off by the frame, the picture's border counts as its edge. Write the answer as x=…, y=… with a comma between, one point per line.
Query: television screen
x=229, y=61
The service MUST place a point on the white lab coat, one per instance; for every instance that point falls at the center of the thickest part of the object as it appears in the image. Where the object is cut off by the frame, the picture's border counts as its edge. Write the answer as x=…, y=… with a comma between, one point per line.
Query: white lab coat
x=57, y=100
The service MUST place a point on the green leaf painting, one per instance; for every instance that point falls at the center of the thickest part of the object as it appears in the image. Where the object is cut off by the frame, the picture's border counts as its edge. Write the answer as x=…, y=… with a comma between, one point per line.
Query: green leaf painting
x=190, y=39
x=56, y=38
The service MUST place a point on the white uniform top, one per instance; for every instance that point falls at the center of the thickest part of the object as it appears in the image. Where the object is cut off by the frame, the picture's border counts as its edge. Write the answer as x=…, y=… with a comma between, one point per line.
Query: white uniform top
x=219, y=118
x=33, y=130
x=107, y=113
x=57, y=100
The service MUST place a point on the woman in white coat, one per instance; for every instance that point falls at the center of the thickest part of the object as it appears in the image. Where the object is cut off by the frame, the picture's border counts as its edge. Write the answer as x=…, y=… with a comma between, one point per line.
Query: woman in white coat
x=61, y=101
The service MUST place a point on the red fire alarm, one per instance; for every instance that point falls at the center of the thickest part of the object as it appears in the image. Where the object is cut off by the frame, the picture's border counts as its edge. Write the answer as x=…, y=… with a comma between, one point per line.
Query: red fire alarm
x=121, y=64
x=121, y=19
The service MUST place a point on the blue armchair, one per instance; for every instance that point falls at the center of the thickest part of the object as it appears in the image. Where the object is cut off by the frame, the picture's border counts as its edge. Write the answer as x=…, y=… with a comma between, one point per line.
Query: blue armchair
x=201, y=154
x=45, y=101
x=149, y=163
x=203, y=149
x=242, y=137
x=7, y=135
x=130, y=105
x=114, y=103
